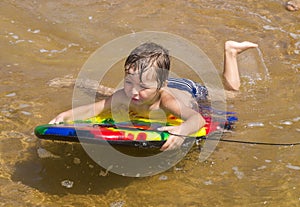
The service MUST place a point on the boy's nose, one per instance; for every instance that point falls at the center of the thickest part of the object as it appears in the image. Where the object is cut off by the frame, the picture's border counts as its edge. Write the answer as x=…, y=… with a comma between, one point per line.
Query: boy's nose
x=135, y=91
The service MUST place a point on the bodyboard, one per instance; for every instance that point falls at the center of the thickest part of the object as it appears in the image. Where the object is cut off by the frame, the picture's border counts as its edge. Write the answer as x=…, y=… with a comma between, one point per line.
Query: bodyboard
x=139, y=132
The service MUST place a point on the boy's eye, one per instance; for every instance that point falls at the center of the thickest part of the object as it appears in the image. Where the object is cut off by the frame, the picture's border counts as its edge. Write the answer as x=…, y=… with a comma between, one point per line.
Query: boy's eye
x=144, y=86
x=128, y=82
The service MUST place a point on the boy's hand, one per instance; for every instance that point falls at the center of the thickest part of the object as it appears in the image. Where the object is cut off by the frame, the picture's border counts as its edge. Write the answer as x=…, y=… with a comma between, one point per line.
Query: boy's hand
x=173, y=141
x=58, y=119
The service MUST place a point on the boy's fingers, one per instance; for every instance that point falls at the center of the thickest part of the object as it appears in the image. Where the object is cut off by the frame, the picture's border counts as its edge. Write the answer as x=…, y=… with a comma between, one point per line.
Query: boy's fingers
x=57, y=120
x=171, y=143
x=166, y=128
x=167, y=144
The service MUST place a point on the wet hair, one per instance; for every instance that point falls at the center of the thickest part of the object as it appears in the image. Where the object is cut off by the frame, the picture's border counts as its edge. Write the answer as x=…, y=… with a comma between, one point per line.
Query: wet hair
x=149, y=56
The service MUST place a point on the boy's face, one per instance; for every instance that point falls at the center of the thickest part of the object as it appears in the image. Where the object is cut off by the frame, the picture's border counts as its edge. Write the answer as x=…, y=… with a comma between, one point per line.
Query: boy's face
x=141, y=90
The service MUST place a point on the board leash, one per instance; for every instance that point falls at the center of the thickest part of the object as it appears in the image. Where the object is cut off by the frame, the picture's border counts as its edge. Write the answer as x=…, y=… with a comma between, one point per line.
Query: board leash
x=198, y=139
x=250, y=142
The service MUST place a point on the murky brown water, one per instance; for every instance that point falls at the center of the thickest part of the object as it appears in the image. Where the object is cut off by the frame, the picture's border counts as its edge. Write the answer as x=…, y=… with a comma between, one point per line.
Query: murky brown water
x=42, y=40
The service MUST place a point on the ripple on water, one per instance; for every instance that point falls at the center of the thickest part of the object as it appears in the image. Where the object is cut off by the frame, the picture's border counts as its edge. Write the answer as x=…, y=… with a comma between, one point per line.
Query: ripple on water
x=67, y=183
x=43, y=153
x=11, y=94
x=117, y=204
x=238, y=173
x=293, y=167
x=255, y=124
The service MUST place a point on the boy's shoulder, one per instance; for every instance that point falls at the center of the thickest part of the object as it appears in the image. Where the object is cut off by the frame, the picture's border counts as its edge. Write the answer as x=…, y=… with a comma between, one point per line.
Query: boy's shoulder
x=179, y=95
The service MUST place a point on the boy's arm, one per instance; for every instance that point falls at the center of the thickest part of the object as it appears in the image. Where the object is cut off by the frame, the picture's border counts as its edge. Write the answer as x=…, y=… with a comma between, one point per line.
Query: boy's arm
x=193, y=121
x=80, y=113
x=87, y=111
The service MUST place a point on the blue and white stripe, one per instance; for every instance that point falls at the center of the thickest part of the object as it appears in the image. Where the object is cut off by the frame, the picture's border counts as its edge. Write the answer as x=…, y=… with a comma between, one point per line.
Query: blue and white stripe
x=198, y=91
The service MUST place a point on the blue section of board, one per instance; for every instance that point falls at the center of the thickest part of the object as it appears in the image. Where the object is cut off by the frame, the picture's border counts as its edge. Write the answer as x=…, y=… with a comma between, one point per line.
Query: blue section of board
x=60, y=131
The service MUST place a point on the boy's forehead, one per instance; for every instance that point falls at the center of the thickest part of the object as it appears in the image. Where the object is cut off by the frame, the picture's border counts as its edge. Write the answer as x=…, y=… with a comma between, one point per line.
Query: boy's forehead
x=149, y=74
x=147, y=77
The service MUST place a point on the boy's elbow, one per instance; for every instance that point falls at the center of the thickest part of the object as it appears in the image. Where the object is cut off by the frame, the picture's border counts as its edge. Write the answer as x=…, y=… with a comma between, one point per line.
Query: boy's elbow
x=202, y=121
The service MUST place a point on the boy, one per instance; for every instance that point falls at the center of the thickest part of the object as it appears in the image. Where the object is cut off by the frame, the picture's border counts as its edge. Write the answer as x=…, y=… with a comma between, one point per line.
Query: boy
x=147, y=91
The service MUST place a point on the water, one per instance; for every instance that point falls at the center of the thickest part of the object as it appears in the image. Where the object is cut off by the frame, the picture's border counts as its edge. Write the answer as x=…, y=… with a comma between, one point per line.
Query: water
x=43, y=40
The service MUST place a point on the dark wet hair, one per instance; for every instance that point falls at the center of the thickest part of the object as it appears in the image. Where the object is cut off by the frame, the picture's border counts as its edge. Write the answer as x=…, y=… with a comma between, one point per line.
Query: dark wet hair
x=146, y=56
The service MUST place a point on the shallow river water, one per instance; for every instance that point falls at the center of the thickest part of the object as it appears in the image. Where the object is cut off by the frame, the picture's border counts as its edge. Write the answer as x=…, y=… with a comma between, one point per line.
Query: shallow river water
x=43, y=40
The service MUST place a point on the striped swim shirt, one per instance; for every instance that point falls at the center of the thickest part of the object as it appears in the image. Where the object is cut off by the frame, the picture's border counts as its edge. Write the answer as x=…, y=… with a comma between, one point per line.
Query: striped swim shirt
x=198, y=91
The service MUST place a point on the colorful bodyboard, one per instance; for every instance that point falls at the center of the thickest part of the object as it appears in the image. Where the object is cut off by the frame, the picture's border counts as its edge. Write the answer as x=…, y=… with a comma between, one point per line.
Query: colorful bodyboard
x=137, y=133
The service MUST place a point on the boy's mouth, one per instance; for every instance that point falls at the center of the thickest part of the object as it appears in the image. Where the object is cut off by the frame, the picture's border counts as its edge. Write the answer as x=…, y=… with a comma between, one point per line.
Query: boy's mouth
x=135, y=99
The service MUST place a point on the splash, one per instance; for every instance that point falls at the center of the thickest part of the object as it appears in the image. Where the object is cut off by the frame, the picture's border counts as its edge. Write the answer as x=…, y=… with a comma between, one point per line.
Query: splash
x=266, y=70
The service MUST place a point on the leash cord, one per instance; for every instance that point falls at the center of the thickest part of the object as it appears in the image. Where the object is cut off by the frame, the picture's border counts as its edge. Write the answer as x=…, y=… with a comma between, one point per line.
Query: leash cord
x=204, y=137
